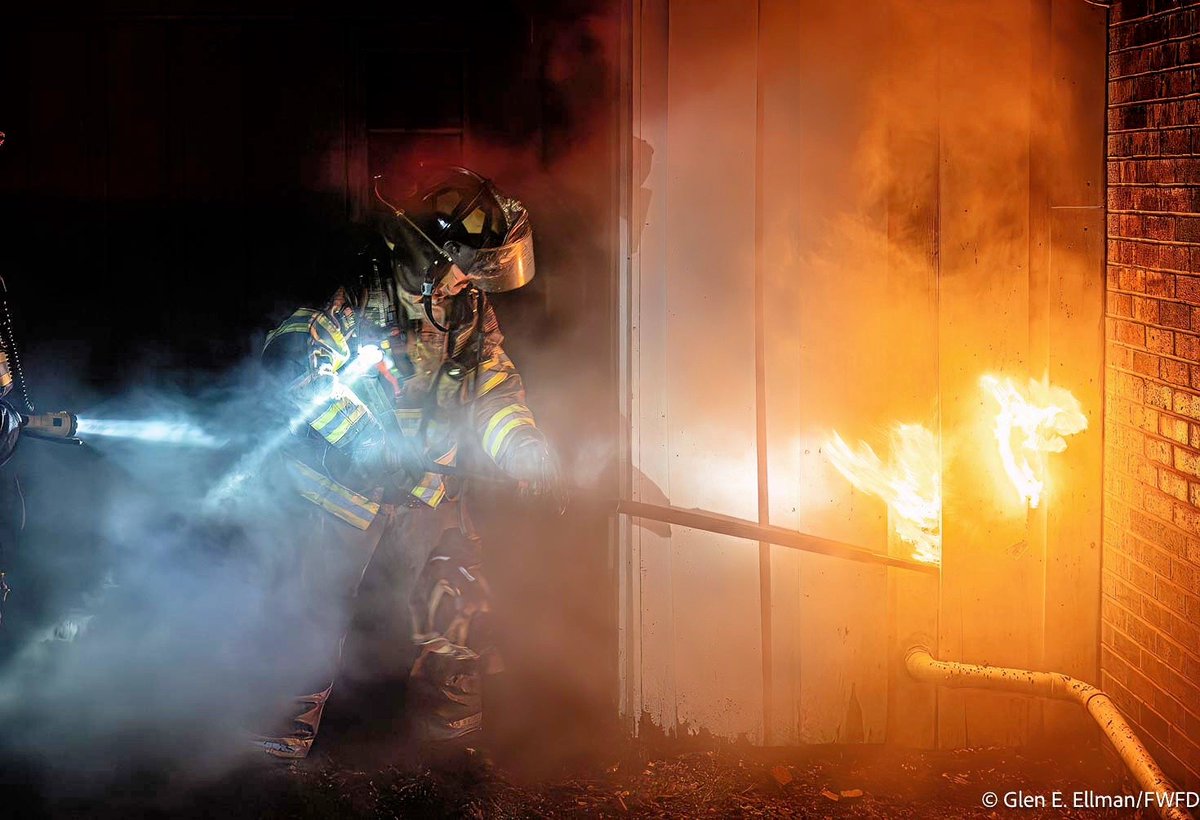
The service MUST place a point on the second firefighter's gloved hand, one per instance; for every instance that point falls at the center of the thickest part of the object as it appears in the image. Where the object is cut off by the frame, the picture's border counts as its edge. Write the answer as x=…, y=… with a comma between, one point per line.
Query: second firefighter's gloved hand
x=534, y=464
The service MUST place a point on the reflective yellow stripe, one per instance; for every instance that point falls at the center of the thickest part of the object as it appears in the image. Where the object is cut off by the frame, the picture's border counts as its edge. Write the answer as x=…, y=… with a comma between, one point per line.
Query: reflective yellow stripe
x=328, y=416
x=409, y=421
x=353, y=508
x=502, y=436
x=494, y=380
x=346, y=412
x=500, y=416
x=357, y=413
x=336, y=341
x=431, y=489
x=298, y=322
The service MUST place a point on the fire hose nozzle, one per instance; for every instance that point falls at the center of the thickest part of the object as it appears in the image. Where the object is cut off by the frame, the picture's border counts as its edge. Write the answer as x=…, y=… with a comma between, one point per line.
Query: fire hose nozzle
x=60, y=426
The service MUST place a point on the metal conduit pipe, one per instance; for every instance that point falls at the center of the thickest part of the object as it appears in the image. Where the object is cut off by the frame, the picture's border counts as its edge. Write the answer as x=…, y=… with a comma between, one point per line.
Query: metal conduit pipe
x=924, y=667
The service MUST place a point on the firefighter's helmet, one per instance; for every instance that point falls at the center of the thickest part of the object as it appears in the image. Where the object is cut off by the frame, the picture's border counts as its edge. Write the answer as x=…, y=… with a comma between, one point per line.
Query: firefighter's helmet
x=471, y=224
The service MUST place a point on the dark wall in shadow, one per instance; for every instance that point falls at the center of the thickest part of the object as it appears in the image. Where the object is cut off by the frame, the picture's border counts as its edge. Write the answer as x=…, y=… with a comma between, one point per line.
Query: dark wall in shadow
x=175, y=178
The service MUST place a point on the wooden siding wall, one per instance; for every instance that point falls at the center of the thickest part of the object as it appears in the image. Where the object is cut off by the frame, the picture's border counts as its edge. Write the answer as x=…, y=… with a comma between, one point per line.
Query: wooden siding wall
x=918, y=189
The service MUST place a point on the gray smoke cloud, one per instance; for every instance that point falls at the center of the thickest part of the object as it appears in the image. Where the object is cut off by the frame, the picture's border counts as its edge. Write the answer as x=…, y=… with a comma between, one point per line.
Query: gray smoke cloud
x=188, y=620
x=181, y=625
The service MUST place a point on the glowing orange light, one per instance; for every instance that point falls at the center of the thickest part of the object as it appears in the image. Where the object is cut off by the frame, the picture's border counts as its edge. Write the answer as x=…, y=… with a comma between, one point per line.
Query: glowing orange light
x=1029, y=424
x=911, y=484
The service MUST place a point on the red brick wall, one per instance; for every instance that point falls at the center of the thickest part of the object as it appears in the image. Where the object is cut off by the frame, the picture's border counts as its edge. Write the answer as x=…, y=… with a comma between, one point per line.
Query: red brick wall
x=1150, y=653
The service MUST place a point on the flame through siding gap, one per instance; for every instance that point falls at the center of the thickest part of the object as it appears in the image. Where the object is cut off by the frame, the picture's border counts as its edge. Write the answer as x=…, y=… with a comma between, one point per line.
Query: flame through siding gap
x=760, y=395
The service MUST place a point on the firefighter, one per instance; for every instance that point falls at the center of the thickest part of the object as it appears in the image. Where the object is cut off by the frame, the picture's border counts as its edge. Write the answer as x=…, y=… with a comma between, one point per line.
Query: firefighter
x=10, y=432
x=397, y=389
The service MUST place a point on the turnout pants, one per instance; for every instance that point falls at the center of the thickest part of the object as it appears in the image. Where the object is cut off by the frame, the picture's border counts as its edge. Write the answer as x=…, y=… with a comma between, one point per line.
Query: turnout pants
x=447, y=600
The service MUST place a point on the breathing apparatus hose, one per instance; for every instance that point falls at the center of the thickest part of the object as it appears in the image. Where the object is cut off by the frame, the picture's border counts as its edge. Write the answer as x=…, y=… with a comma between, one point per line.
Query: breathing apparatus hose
x=431, y=402
x=8, y=343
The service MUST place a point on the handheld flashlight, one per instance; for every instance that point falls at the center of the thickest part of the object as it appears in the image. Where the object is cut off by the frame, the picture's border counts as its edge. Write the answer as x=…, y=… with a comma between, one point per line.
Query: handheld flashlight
x=61, y=426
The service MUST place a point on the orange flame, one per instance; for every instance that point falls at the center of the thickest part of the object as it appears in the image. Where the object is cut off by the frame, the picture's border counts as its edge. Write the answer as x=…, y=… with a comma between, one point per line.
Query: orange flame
x=1030, y=424
x=911, y=485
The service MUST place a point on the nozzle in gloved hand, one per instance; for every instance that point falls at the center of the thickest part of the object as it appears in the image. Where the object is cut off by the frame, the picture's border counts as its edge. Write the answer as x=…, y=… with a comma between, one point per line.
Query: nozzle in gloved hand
x=534, y=464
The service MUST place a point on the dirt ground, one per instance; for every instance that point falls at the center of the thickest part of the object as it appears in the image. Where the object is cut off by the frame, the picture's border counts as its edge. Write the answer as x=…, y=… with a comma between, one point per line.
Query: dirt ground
x=819, y=782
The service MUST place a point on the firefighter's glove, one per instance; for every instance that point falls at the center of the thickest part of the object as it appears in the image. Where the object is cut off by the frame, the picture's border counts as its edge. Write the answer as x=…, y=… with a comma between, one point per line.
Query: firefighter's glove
x=535, y=466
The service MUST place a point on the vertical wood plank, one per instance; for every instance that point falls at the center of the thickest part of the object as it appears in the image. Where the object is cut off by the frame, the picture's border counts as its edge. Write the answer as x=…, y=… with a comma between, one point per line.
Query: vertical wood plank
x=1076, y=348
x=628, y=569
x=782, y=125
x=912, y=182
x=710, y=359
x=836, y=256
x=649, y=439
x=989, y=610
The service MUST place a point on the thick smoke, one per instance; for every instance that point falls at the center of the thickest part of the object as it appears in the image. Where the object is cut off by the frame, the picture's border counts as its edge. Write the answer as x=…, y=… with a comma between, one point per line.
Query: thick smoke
x=156, y=621
x=187, y=626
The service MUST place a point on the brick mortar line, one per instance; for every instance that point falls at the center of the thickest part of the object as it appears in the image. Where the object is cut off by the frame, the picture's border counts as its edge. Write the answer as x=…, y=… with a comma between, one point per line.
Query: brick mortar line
x=1151, y=101
x=1165, y=523
x=1156, y=519
x=1145, y=240
x=1137, y=212
x=1127, y=474
x=1172, y=300
x=1141, y=157
x=1183, y=558
x=1139, y=590
x=1136, y=294
x=1187, y=477
x=1165, y=41
x=1158, y=687
x=1150, y=129
x=1114, y=106
x=1150, y=72
x=1132, y=663
x=1122, y=238
x=1133, y=320
x=1121, y=160
x=1183, y=185
x=1164, y=636
x=1155, y=435
x=1152, y=15
x=1143, y=295
x=1158, y=437
x=1192, y=391
x=1133, y=266
x=1143, y=349
x=1144, y=323
x=1108, y=569
x=1155, y=630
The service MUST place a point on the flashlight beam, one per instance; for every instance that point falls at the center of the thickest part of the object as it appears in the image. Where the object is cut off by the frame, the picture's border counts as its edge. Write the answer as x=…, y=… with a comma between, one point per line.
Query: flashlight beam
x=790, y=539
x=149, y=430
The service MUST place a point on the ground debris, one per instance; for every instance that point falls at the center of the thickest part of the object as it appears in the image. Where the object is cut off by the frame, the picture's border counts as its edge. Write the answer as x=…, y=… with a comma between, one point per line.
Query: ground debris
x=732, y=781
